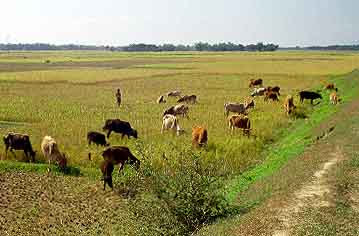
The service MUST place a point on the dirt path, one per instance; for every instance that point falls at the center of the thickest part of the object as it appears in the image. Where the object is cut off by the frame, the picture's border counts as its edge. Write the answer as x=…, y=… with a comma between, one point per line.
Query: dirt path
x=314, y=194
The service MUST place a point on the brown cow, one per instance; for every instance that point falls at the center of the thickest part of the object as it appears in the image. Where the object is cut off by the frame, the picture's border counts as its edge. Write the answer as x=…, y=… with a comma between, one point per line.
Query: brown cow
x=274, y=89
x=271, y=95
x=199, y=136
x=255, y=82
x=330, y=86
x=241, y=122
x=289, y=104
x=119, y=155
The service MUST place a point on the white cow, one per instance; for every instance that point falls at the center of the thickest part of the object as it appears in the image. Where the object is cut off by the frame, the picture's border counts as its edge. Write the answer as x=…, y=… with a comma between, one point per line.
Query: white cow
x=170, y=122
x=258, y=92
x=52, y=153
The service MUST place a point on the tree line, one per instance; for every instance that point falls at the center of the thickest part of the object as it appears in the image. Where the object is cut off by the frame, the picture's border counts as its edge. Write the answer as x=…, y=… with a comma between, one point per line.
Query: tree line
x=142, y=47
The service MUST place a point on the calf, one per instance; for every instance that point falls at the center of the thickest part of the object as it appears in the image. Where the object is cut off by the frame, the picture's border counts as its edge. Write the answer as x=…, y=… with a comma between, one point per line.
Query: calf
x=52, y=153
x=161, y=99
x=15, y=141
x=309, y=95
x=119, y=126
x=289, y=104
x=255, y=82
x=271, y=95
x=119, y=155
x=174, y=94
x=97, y=138
x=199, y=136
x=180, y=109
x=188, y=99
x=235, y=107
x=107, y=169
x=241, y=122
x=170, y=122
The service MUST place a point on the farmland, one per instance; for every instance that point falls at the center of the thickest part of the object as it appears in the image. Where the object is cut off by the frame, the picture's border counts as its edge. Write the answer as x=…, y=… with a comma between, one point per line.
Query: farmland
x=67, y=94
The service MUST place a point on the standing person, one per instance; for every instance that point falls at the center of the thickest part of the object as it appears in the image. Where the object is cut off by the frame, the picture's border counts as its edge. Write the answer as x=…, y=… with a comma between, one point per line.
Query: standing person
x=118, y=97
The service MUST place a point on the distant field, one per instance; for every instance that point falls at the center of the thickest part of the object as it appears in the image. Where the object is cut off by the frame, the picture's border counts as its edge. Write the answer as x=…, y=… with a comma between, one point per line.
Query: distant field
x=74, y=93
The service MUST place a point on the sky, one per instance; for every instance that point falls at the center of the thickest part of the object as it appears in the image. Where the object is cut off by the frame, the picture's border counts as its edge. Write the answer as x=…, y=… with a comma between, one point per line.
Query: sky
x=121, y=22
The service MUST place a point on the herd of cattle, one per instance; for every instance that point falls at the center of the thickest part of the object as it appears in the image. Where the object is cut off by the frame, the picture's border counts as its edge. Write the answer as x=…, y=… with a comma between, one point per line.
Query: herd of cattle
x=120, y=155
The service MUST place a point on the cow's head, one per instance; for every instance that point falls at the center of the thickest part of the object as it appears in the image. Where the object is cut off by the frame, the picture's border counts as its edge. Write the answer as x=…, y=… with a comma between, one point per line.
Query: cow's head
x=134, y=133
x=107, y=125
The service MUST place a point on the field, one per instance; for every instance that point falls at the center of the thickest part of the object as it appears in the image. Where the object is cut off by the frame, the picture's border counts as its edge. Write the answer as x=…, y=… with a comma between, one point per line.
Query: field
x=67, y=94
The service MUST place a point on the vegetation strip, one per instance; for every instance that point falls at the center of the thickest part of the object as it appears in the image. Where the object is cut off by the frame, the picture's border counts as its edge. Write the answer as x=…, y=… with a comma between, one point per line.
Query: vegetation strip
x=294, y=143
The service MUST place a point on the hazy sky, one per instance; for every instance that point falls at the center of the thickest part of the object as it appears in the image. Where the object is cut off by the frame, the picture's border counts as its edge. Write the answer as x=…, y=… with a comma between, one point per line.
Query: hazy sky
x=119, y=22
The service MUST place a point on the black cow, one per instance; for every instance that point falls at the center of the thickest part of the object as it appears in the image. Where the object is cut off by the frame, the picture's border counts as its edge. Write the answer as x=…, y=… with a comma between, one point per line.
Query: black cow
x=309, y=95
x=15, y=141
x=119, y=126
x=97, y=138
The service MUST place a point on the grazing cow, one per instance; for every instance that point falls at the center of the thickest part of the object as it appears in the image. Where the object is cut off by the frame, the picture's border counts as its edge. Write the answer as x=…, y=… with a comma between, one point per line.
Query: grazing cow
x=258, y=92
x=309, y=95
x=174, y=94
x=255, y=82
x=118, y=97
x=170, y=122
x=241, y=122
x=235, y=107
x=52, y=152
x=289, y=104
x=271, y=95
x=199, y=136
x=248, y=104
x=15, y=141
x=331, y=86
x=119, y=126
x=107, y=169
x=188, y=99
x=334, y=98
x=274, y=89
x=179, y=109
x=97, y=138
x=119, y=155
x=161, y=99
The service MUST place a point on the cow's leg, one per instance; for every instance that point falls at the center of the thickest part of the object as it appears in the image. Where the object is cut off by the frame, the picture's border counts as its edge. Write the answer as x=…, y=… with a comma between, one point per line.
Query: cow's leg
x=108, y=133
x=6, y=149
x=123, y=135
x=311, y=101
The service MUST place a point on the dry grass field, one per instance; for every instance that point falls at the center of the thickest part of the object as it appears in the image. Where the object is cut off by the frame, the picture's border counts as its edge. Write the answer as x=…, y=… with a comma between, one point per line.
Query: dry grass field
x=67, y=94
